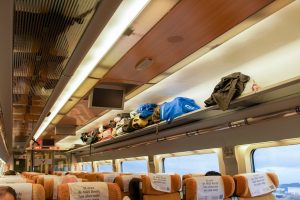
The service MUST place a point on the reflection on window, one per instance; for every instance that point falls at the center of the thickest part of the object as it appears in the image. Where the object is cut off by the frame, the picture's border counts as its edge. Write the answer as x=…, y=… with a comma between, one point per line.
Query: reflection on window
x=135, y=166
x=200, y=163
x=285, y=162
x=104, y=168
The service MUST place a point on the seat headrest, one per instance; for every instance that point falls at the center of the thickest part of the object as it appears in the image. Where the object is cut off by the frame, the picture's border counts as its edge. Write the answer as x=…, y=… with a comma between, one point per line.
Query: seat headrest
x=191, y=187
x=265, y=182
x=110, y=177
x=91, y=177
x=172, y=183
x=185, y=176
x=69, y=179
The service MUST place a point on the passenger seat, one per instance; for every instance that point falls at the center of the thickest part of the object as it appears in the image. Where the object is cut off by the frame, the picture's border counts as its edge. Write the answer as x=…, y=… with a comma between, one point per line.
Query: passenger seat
x=191, y=187
x=186, y=176
x=92, y=177
x=113, y=192
x=263, y=192
x=149, y=193
x=123, y=182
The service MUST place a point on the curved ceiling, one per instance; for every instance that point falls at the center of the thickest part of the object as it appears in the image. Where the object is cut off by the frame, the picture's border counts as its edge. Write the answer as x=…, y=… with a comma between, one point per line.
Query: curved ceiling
x=47, y=33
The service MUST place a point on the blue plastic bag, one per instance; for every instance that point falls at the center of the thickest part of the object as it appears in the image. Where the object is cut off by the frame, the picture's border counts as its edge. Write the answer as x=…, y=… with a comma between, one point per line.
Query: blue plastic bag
x=146, y=110
x=177, y=107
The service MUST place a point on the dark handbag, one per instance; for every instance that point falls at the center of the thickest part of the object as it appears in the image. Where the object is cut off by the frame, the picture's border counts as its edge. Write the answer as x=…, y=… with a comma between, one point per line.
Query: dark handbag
x=91, y=137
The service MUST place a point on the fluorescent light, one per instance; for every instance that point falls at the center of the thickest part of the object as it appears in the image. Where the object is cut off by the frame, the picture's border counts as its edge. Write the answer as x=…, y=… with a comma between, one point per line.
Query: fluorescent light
x=122, y=18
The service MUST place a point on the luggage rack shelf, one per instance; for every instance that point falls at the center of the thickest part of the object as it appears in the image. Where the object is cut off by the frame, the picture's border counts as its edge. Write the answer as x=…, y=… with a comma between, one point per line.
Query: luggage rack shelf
x=248, y=105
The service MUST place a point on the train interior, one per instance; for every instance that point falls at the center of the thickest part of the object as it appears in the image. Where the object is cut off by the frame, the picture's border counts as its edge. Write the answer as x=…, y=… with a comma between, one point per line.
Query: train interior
x=150, y=100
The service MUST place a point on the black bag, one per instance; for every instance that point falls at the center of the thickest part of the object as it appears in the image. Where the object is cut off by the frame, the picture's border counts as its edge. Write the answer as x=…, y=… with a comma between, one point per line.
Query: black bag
x=127, y=128
x=91, y=137
x=229, y=88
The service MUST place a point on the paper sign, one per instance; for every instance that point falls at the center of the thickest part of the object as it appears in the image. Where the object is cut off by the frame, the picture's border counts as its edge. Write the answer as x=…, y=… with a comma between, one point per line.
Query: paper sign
x=88, y=191
x=23, y=190
x=259, y=184
x=161, y=182
x=126, y=179
x=210, y=188
x=109, y=178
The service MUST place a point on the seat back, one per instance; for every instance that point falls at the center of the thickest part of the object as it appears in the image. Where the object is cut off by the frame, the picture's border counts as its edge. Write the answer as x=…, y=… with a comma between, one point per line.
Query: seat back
x=112, y=190
x=92, y=177
x=58, y=173
x=107, y=177
x=161, y=186
x=35, y=178
x=51, y=184
x=123, y=182
x=40, y=178
x=28, y=191
x=194, y=187
x=31, y=175
x=185, y=176
x=81, y=175
x=256, y=186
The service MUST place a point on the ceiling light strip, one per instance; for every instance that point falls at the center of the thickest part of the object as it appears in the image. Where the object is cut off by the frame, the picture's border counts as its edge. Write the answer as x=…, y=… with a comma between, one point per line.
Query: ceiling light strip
x=122, y=18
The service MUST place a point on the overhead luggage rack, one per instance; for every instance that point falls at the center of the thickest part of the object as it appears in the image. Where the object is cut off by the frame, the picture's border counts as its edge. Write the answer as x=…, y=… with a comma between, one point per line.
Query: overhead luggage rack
x=271, y=100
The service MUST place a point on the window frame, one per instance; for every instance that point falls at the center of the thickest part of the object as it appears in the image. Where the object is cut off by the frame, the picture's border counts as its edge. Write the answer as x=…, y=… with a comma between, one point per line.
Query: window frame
x=102, y=162
x=121, y=161
x=252, y=152
x=244, y=152
x=252, y=159
x=217, y=151
x=83, y=164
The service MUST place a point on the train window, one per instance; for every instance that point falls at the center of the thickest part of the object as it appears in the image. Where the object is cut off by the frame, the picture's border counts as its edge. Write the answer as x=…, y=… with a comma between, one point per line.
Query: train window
x=87, y=167
x=285, y=162
x=134, y=166
x=104, y=168
x=199, y=163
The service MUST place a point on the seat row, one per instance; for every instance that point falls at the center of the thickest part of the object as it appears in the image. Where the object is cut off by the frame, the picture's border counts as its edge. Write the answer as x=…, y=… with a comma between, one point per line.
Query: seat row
x=197, y=187
x=148, y=187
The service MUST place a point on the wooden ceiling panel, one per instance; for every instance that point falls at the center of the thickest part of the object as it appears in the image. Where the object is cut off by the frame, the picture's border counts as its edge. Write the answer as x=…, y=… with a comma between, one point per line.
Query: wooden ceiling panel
x=20, y=99
x=19, y=110
x=35, y=110
x=188, y=27
x=80, y=114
